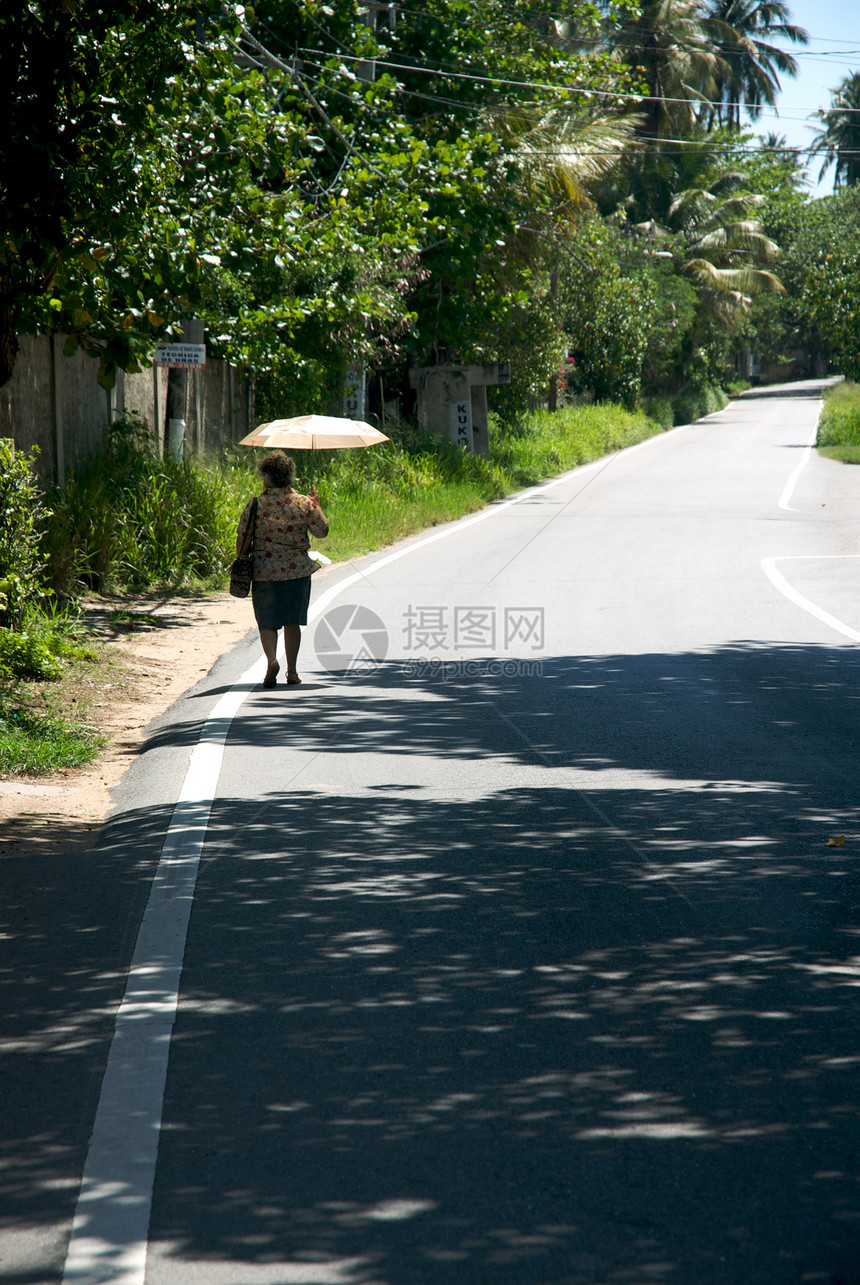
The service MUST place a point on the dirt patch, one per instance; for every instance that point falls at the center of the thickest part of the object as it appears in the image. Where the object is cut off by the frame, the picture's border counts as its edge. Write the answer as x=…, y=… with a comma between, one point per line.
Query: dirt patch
x=156, y=649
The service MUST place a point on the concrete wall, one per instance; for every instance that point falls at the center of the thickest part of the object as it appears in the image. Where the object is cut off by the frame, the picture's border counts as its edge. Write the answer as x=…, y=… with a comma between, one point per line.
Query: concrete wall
x=55, y=402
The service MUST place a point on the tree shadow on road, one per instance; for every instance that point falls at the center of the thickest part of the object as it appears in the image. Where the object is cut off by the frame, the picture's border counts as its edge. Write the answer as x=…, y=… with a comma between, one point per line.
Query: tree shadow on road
x=596, y=1022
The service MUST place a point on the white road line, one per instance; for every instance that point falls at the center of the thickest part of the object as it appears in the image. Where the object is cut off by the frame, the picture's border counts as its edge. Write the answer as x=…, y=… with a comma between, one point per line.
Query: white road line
x=785, y=498
x=111, y=1224
x=768, y=566
x=109, y=1233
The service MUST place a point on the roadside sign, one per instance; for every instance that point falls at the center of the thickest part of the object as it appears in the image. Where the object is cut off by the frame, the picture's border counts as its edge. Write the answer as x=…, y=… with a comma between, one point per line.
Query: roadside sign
x=460, y=424
x=180, y=356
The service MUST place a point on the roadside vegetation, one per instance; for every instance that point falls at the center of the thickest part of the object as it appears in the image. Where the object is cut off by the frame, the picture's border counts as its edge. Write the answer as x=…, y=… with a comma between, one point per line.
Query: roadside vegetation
x=46, y=724
x=839, y=425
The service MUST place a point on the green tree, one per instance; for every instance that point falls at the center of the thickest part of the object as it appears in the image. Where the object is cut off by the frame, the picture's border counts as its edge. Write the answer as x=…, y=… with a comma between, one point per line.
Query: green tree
x=707, y=203
x=497, y=143
x=838, y=138
x=607, y=316
x=226, y=216
x=828, y=272
x=778, y=325
x=725, y=250
x=79, y=86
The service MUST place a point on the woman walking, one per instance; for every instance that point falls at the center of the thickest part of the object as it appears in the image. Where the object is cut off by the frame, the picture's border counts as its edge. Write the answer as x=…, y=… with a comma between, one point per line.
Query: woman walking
x=281, y=587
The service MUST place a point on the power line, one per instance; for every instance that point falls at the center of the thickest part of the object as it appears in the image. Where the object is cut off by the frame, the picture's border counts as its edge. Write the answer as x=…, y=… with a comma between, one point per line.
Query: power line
x=661, y=146
x=616, y=97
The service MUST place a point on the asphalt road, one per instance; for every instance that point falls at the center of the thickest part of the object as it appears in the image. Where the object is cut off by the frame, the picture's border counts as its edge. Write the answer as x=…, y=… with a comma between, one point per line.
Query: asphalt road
x=518, y=953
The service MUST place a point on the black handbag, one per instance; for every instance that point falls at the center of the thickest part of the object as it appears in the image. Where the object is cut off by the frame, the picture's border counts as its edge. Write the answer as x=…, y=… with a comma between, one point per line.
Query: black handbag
x=242, y=570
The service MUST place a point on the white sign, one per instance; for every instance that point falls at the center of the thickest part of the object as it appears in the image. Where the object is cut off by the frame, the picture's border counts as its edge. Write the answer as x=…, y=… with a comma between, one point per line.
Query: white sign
x=354, y=396
x=180, y=356
x=460, y=424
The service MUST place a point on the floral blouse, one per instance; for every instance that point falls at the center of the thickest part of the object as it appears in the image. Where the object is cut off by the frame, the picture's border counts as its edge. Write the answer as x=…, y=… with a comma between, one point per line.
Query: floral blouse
x=281, y=535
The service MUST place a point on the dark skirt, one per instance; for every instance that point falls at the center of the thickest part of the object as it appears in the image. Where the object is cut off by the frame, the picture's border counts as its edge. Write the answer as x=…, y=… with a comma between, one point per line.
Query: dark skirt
x=281, y=602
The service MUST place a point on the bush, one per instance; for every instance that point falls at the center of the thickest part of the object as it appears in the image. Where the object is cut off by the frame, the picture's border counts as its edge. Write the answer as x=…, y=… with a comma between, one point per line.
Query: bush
x=839, y=424
x=130, y=520
x=22, y=516
x=608, y=319
x=660, y=410
x=24, y=655
x=694, y=403
x=45, y=638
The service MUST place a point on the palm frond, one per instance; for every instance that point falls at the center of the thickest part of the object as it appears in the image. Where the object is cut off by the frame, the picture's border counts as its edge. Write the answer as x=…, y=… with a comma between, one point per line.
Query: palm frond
x=569, y=153
x=745, y=281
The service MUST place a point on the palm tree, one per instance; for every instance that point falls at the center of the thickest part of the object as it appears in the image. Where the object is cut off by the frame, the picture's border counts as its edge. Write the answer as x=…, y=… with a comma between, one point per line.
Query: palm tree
x=783, y=154
x=838, y=138
x=743, y=31
x=710, y=222
x=671, y=44
x=563, y=151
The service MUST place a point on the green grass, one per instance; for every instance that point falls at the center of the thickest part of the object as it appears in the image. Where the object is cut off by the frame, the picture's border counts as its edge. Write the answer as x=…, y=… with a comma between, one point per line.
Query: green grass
x=839, y=424
x=33, y=743
x=552, y=442
x=43, y=722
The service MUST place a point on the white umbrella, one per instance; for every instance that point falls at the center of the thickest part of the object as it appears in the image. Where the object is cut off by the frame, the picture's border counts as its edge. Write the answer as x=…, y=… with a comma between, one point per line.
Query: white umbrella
x=314, y=433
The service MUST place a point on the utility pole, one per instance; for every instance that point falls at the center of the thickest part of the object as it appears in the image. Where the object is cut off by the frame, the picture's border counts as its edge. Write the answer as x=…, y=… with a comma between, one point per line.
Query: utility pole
x=177, y=396
x=552, y=398
x=366, y=70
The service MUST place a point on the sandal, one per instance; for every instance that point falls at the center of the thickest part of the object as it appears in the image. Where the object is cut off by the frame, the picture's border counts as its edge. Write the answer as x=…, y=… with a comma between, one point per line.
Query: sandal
x=271, y=675
x=293, y=680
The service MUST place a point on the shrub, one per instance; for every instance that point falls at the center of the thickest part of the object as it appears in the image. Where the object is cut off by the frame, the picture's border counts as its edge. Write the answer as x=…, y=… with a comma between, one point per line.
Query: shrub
x=22, y=516
x=128, y=519
x=696, y=402
x=660, y=410
x=839, y=424
x=23, y=655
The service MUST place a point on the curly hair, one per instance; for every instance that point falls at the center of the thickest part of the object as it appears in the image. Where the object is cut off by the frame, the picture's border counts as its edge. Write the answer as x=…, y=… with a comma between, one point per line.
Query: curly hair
x=277, y=469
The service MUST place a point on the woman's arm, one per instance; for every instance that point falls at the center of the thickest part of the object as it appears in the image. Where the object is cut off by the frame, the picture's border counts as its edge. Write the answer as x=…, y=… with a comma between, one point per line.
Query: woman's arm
x=317, y=521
